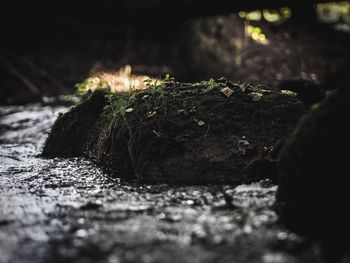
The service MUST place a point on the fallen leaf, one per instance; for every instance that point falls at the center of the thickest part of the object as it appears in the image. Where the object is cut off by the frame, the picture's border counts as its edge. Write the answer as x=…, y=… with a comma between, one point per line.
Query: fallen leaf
x=151, y=114
x=227, y=91
x=129, y=110
x=199, y=122
x=289, y=93
x=243, y=86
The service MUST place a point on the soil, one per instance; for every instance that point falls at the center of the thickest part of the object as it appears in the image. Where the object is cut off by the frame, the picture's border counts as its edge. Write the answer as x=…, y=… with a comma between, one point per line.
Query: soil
x=184, y=133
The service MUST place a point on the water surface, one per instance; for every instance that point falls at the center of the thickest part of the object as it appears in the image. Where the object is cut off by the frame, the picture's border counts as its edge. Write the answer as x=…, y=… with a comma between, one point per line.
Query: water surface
x=68, y=210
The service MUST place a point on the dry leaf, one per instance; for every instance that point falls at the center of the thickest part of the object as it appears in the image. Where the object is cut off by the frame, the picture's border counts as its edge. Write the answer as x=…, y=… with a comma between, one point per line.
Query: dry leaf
x=227, y=91
x=289, y=93
x=199, y=122
x=151, y=114
x=243, y=86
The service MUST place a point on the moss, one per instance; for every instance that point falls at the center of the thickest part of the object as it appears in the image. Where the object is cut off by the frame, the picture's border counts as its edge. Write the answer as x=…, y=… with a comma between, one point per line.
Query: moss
x=184, y=132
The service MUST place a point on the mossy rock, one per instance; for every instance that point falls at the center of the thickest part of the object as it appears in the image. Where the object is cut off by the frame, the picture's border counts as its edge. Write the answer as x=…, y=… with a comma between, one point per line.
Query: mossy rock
x=69, y=135
x=313, y=197
x=198, y=133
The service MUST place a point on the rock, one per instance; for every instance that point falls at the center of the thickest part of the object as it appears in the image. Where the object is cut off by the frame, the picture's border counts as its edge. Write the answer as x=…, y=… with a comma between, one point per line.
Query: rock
x=182, y=133
x=313, y=195
x=69, y=135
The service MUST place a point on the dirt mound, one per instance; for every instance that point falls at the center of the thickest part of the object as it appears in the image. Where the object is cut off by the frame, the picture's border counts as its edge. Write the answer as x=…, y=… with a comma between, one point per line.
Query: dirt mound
x=206, y=132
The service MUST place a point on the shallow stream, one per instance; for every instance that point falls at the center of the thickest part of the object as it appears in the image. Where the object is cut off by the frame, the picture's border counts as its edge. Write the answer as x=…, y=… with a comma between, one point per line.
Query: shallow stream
x=68, y=210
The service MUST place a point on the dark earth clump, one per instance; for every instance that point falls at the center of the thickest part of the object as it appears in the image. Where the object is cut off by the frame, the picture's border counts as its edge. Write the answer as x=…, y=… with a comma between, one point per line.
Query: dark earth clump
x=313, y=191
x=207, y=132
x=74, y=128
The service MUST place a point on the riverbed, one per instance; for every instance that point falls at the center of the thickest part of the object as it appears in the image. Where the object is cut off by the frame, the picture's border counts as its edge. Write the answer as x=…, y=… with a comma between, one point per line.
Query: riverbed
x=69, y=210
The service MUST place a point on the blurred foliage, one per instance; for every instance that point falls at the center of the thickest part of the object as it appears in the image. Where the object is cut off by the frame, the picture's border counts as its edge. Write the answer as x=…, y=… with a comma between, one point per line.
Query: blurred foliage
x=334, y=12
x=266, y=14
x=256, y=34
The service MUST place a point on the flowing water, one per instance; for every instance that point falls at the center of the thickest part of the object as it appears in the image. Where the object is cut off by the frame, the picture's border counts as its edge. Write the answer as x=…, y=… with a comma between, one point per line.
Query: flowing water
x=68, y=210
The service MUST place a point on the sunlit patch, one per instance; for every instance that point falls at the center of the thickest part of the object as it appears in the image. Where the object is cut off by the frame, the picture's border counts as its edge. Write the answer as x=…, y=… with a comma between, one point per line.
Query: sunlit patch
x=271, y=15
x=268, y=15
x=331, y=12
x=252, y=16
x=286, y=12
x=120, y=81
x=256, y=34
x=334, y=12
